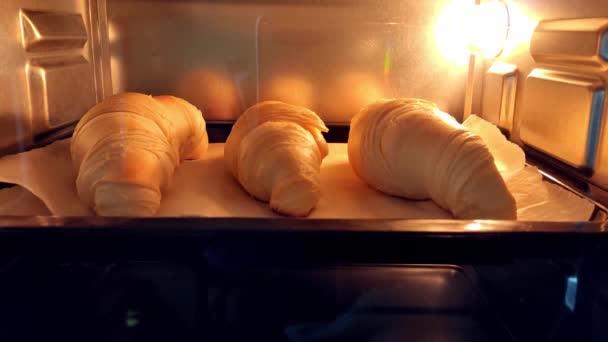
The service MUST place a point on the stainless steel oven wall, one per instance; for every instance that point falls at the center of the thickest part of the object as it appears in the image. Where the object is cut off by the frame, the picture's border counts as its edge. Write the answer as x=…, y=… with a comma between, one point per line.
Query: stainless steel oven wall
x=46, y=66
x=333, y=56
x=550, y=93
x=60, y=57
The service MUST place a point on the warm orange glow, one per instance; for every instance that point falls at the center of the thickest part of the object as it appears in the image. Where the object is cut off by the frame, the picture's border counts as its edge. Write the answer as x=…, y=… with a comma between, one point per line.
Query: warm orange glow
x=486, y=27
x=473, y=226
x=348, y=92
x=490, y=29
x=295, y=90
x=449, y=31
x=521, y=29
x=212, y=90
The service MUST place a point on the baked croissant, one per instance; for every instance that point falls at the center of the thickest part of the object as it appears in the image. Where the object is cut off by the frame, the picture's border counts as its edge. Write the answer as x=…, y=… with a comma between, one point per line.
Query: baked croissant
x=409, y=148
x=126, y=149
x=275, y=151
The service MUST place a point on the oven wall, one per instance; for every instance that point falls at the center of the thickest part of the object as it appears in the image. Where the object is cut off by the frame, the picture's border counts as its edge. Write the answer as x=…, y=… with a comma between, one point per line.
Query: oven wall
x=47, y=75
x=332, y=56
x=60, y=57
x=564, y=134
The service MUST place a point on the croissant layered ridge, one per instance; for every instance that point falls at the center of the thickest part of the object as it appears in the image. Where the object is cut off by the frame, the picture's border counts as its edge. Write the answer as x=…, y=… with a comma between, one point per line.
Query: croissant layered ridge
x=126, y=148
x=411, y=149
x=275, y=151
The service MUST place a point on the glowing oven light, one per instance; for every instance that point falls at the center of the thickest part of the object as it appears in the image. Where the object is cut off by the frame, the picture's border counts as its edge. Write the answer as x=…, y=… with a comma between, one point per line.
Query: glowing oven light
x=449, y=31
x=487, y=30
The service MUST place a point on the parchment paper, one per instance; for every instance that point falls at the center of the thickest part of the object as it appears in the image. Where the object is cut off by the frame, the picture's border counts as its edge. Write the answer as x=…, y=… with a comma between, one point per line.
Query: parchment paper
x=45, y=182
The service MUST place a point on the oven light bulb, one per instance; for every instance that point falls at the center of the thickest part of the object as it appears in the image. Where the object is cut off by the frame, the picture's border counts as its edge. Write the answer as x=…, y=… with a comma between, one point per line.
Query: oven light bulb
x=449, y=31
x=464, y=28
x=486, y=28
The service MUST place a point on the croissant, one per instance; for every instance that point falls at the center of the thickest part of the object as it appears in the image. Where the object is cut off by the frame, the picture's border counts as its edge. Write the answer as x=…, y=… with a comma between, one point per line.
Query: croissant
x=275, y=151
x=409, y=148
x=126, y=148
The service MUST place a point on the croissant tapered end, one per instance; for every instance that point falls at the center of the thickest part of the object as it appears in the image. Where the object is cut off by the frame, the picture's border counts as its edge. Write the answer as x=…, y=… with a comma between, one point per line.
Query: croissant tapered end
x=495, y=205
x=485, y=196
x=296, y=197
x=503, y=209
x=113, y=199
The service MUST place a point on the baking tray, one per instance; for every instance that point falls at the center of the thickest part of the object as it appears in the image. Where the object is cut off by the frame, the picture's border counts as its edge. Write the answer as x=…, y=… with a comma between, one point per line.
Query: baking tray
x=426, y=240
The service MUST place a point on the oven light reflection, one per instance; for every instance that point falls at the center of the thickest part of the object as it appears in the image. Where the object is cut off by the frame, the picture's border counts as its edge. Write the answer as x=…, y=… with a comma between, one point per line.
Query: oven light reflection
x=473, y=226
x=387, y=63
x=570, y=296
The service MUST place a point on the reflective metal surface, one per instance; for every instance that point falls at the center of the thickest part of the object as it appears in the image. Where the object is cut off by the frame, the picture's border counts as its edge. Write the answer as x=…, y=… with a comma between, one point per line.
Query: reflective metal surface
x=45, y=73
x=499, y=91
x=562, y=113
x=49, y=31
x=333, y=56
x=49, y=79
x=298, y=241
x=536, y=11
x=571, y=37
x=577, y=42
x=206, y=226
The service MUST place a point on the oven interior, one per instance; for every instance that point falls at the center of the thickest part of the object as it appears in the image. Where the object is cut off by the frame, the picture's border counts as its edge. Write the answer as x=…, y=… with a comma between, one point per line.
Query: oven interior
x=537, y=70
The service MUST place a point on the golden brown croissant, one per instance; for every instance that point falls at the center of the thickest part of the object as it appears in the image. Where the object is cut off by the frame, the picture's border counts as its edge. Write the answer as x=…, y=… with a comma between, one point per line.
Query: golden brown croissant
x=275, y=151
x=126, y=149
x=409, y=148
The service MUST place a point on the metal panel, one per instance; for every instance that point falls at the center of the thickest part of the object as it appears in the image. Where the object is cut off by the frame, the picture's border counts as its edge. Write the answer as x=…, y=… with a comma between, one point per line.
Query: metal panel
x=555, y=11
x=499, y=91
x=333, y=56
x=49, y=31
x=60, y=82
x=51, y=80
x=579, y=42
x=32, y=31
x=600, y=175
x=562, y=115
